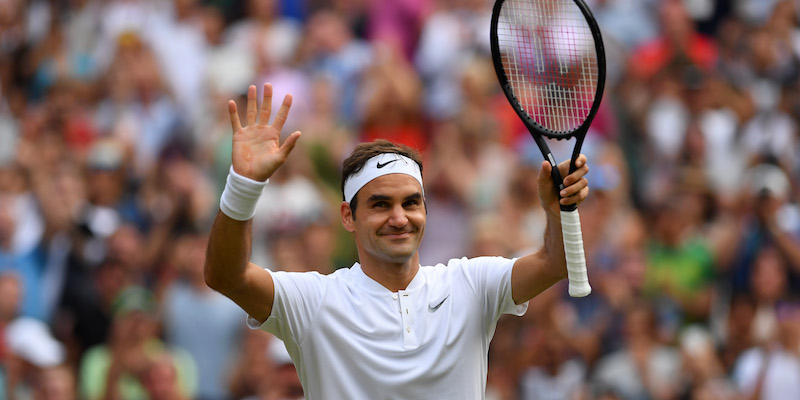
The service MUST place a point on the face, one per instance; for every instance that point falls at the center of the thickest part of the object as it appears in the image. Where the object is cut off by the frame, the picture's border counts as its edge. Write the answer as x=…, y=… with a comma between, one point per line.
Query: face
x=390, y=219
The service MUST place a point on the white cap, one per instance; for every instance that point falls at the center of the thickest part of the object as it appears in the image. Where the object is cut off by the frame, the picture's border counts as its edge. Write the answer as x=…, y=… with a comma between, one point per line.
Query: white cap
x=31, y=340
x=768, y=179
x=382, y=164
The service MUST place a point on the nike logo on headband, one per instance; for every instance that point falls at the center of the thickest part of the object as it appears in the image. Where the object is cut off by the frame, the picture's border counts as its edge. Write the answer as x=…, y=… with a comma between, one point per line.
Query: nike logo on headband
x=386, y=163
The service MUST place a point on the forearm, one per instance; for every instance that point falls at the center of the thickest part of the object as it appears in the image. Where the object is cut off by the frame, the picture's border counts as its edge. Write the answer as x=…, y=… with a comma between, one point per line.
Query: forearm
x=228, y=253
x=553, y=247
x=536, y=272
x=255, y=155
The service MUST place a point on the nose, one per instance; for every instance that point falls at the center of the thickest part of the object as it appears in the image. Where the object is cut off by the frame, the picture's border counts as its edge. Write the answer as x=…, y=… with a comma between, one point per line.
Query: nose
x=398, y=218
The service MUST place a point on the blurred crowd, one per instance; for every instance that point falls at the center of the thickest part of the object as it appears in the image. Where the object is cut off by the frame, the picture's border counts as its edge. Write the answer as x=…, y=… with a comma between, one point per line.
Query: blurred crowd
x=115, y=142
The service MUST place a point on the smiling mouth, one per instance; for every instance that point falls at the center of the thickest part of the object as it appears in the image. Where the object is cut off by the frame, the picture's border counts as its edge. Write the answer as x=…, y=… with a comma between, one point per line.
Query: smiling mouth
x=397, y=234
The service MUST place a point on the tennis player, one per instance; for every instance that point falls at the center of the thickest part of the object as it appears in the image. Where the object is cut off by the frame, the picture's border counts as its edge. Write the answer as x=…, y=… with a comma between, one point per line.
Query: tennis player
x=385, y=328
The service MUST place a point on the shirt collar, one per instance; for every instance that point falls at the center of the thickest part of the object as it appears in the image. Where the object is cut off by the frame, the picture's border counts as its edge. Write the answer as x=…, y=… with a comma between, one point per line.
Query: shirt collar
x=370, y=285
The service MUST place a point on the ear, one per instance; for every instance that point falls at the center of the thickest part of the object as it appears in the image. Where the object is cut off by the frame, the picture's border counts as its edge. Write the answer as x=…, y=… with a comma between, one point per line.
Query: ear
x=347, y=216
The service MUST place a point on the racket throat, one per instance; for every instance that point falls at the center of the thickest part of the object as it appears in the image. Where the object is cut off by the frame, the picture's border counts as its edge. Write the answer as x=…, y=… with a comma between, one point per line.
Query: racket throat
x=558, y=181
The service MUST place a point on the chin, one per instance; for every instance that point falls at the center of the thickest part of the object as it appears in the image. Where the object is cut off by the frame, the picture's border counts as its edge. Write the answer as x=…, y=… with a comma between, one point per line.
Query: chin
x=398, y=255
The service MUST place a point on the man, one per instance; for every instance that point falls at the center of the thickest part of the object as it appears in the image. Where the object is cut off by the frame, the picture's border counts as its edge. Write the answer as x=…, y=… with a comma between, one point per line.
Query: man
x=387, y=327
x=118, y=368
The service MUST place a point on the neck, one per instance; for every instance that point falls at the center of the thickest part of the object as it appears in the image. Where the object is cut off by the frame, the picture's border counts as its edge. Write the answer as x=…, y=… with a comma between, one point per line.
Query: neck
x=393, y=276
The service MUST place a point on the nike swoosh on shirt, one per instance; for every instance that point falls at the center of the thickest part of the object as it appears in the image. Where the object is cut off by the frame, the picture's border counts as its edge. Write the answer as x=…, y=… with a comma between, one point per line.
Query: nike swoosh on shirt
x=433, y=309
x=386, y=163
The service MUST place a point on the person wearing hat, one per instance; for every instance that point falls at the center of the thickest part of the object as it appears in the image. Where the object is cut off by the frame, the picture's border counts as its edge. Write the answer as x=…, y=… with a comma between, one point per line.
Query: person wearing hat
x=117, y=368
x=30, y=351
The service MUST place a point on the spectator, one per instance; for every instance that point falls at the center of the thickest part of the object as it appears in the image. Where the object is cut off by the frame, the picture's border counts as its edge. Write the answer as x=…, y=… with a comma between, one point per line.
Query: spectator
x=557, y=374
x=680, y=261
x=160, y=379
x=21, y=229
x=252, y=365
x=390, y=94
x=32, y=350
x=643, y=368
x=113, y=143
x=332, y=52
x=766, y=371
x=117, y=367
x=704, y=372
x=201, y=321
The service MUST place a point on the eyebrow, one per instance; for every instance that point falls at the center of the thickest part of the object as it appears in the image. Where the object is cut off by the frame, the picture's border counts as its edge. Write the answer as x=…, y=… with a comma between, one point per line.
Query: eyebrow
x=383, y=197
x=415, y=196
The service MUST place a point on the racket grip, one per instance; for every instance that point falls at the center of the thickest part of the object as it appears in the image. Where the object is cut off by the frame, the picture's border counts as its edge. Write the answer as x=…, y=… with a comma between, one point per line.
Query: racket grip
x=573, y=250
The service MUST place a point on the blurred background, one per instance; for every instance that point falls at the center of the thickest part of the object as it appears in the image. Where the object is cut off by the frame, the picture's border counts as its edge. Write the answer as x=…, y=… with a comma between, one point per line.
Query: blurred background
x=115, y=143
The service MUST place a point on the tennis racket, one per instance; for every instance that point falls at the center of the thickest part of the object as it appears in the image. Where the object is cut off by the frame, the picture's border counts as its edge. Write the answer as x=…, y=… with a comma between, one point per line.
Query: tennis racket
x=549, y=58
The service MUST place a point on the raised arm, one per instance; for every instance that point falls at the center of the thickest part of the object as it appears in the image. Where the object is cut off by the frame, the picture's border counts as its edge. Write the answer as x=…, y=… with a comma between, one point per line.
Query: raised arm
x=535, y=272
x=257, y=154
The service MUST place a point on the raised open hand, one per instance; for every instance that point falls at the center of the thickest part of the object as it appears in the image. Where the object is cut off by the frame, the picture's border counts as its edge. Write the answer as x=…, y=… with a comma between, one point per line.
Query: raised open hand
x=257, y=151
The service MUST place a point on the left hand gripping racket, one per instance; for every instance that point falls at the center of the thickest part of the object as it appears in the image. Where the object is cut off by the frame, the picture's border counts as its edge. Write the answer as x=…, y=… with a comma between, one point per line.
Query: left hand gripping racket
x=549, y=58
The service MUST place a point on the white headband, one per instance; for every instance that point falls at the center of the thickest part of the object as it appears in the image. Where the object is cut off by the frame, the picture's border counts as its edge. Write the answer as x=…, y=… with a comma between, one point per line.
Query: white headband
x=382, y=164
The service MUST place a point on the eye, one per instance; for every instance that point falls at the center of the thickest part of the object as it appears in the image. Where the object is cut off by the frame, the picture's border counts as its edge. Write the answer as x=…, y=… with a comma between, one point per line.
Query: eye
x=380, y=204
x=411, y=203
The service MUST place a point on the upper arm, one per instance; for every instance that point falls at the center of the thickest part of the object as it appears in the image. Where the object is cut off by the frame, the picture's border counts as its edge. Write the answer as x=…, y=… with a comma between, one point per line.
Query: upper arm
x=533, y=274
x=490, y=279
x=229, y=271
x=256, y=294
x=296, y=302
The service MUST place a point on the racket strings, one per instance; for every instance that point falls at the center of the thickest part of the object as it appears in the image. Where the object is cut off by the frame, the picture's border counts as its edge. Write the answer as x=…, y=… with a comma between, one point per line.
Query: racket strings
x=550, y=61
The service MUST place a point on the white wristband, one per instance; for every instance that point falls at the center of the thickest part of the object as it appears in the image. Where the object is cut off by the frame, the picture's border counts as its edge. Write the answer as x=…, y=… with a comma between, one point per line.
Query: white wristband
x=240, y=196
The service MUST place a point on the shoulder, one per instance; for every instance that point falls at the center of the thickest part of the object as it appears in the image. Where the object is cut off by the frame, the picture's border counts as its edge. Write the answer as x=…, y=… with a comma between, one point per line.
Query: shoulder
x=312, y=278
x=315, y=275
x=475, y=262
x=472, y=270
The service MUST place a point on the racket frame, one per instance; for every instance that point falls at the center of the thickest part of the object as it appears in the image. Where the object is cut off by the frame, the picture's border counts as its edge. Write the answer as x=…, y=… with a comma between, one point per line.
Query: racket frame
x=536, y=130
x=570, y=220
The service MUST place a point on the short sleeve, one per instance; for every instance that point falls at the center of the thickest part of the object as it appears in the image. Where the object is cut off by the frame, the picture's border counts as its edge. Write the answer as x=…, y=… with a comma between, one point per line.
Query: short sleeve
x=298, y=297
x=490, y=277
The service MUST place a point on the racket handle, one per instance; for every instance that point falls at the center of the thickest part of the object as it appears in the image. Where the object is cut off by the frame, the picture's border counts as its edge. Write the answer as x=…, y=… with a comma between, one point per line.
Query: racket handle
x=573, y=249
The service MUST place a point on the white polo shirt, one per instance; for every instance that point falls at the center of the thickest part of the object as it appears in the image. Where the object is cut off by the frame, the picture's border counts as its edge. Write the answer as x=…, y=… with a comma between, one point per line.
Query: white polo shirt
x=351, y=338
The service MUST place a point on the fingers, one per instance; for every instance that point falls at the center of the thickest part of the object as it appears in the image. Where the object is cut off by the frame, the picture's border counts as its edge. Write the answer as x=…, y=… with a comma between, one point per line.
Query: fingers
x=266, y=105
x=289, y=143
x=581, y=169
x=544, y=173
x=564, y=166
x=576, y=186
x=251, y=105
x=262, y=114
x=236, y=125
x=576, y=198
x=283, y=113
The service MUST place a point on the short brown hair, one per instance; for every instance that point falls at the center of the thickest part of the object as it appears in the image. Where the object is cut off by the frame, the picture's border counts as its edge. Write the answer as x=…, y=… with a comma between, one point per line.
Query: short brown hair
x=364, y=151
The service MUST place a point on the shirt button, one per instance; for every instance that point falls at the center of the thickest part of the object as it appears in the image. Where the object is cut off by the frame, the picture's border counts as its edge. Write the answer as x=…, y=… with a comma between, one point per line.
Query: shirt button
x=394, y=296
x=408, y=329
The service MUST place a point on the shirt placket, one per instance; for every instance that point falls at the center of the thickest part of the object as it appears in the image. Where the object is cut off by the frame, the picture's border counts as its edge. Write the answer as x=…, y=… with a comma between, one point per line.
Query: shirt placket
x=407, y=316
